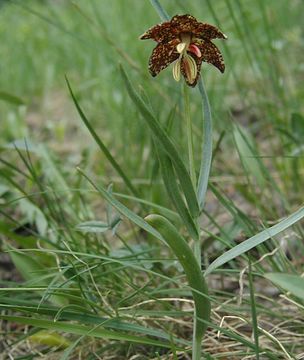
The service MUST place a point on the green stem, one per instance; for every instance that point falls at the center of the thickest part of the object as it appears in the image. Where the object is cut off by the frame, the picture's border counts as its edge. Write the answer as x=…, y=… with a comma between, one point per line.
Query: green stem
x=197, y=326
x=197, y=333
x=189, y=135
x=197, y=243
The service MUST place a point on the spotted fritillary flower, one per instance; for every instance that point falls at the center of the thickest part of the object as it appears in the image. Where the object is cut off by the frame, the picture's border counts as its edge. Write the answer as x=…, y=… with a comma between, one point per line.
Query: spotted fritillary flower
x=186, y=42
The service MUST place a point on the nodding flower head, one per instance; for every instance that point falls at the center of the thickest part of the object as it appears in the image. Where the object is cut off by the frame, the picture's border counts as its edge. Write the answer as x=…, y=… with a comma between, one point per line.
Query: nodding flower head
x=185, y=42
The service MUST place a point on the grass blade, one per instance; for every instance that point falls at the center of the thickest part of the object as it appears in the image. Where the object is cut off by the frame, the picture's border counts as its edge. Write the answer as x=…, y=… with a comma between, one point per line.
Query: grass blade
x=174, y=193
x=123, y=210
x=12, y=99
x=170, y=214
x=183, y=252
x=84, y=318
x=93, y=226
x=254, y=314
x=289, y=282
x=256, y=240
x=84, y=330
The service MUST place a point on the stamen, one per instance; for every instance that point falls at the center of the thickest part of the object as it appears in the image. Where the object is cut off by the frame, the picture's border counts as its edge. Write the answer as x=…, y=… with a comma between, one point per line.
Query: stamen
x=190, y=68
x=177, y=70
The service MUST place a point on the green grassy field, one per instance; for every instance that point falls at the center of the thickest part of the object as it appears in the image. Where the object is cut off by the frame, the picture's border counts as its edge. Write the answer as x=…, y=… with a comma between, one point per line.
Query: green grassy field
x=83, y=274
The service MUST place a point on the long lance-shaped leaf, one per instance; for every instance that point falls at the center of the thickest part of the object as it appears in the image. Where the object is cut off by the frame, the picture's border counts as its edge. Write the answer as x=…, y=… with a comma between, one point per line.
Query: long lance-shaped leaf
x=123, y=210
x=206, y=147
x=170, y=214
x=167, y=145
x=85, y=319
x=84, y=330
x=174, y=193
x=190, y=265
x=289, y=282
x=256, y=240
x=101, y=145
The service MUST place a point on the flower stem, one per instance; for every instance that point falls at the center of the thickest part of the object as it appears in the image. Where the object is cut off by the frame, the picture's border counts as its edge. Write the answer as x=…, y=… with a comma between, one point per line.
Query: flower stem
x=197, y=326
x=189, y=135
x=197, y=331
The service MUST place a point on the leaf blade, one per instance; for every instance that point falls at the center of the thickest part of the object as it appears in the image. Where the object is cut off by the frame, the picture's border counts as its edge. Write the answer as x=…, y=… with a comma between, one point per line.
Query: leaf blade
x=84, y=330
x=289, y=282
x=123, y=210
x=255, y=240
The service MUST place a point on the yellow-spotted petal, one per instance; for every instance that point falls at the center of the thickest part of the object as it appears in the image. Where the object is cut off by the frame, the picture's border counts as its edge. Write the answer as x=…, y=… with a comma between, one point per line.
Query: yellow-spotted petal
x=162, y=56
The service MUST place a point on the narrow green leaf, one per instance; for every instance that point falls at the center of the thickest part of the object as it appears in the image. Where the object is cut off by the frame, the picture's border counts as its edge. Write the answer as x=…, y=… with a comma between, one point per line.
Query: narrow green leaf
x=248, y=154
x=256, y=240
x=68, y=351
x=167, y=145
x=85, y=318
x=171, y=215
x=123, y=210
x=101, y=145
x=93, y=226
x=161, y=11
x=289, y=282
x=174, y=193
x=12, y=99
x=206, y=157
x=192, y=270
x=23, y=145
x=84, y=330
x=254, y=314
x=34, y=272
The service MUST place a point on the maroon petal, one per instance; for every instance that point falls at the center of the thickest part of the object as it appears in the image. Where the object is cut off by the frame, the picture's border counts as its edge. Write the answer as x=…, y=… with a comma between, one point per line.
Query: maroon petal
x=158, y=32
x=183, y=24
x=179, y=24
x=210, y=54
x=172, y=29
x=208, y=32
x=162, y=56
